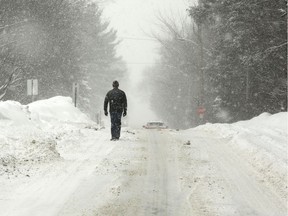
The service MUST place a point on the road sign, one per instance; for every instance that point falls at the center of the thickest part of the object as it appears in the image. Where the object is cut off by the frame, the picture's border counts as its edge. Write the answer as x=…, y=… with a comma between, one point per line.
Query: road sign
x=201, y=110
x=32, y=87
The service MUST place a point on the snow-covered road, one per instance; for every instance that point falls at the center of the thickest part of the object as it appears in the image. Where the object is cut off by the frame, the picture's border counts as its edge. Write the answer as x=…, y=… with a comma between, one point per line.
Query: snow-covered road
x=148, y=172
x=226, y=184
x=52, y=166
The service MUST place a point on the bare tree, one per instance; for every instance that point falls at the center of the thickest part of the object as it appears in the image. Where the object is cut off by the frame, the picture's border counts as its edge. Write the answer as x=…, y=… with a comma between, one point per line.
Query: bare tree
x=177, y=69
x=11, y=80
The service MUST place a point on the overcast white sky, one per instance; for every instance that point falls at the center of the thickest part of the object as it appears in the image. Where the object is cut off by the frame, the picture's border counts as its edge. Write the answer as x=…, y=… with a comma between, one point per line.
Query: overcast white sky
x=135, y=20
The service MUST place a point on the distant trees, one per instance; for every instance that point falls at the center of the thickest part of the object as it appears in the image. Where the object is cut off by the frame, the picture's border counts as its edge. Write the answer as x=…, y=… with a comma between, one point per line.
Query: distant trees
x=232, y=60
x=175, y=78
x=248, y=68
x=58, y=43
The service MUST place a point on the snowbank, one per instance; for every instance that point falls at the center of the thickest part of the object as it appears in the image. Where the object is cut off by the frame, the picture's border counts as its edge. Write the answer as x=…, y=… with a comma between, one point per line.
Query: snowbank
x=13, y=113
x=29, y=133
x=59, y=109
x=260, y=124
x=262, y=142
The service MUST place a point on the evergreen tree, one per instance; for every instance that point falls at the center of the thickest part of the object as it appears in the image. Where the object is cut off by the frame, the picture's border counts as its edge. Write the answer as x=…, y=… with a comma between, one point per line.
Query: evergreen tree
x=58, y=43
x=248, y=69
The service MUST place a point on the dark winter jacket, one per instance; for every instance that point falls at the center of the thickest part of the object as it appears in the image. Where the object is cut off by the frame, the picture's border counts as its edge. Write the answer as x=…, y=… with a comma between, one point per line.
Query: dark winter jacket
x=117, y=101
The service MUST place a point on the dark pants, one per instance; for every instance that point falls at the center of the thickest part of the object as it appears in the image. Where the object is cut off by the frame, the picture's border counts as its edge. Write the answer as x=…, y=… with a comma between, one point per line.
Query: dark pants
x=115, y=124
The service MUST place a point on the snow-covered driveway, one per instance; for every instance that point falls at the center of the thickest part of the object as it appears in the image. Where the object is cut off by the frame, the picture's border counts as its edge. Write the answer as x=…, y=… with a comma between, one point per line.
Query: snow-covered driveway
x=148, y=172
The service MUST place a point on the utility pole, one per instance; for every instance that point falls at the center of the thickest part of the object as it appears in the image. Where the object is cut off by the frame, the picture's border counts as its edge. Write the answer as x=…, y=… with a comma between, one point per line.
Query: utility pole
x=200, y=102
x=201, y=109
x=75, y=93
x=201, y=65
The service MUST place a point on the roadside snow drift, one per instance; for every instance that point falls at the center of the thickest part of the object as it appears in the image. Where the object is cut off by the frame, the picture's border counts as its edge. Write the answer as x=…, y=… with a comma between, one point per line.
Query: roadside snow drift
x=262, y=142
x=57, y=109
x=28, y=133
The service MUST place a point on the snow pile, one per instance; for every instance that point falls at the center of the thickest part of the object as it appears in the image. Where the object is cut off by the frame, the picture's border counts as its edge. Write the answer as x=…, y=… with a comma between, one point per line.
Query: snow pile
x=263, y=127
x=59, y=109
x=262, y=124
x=262, y=142
x=13, y=113
x=25, y=136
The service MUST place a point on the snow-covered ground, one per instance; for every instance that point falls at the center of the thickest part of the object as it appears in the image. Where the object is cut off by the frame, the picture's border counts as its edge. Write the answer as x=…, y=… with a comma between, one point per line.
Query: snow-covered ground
x=55, y=161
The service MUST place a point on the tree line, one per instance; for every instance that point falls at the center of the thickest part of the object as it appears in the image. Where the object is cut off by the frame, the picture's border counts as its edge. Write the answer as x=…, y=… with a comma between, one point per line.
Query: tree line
x=230, y=58
x=58, y=42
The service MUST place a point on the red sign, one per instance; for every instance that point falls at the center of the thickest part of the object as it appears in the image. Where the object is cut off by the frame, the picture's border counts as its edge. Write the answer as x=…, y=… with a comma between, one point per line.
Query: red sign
x=201, y=110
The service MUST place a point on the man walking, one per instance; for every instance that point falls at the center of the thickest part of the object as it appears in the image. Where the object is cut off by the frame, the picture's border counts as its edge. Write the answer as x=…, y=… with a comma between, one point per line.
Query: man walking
x=117, y=105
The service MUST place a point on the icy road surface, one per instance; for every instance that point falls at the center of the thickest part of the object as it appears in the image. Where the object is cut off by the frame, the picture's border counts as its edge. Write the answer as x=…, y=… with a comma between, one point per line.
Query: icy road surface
x=146, y=173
